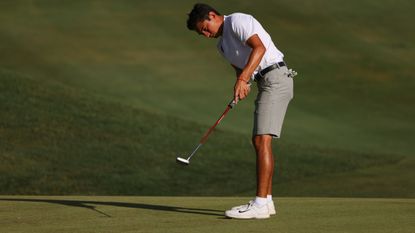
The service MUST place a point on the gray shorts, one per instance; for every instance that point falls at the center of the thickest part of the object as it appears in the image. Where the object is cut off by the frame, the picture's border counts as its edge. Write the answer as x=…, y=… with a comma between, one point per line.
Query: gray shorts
x=275, y=91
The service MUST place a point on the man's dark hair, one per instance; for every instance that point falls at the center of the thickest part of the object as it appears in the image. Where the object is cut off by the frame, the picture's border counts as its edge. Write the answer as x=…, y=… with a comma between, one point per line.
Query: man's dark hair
x=199, y=13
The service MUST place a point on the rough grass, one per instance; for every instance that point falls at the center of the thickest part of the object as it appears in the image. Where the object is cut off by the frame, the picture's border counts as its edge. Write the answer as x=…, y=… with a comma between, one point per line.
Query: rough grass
x=353, y=92
x=108, y=93
x=59, y=140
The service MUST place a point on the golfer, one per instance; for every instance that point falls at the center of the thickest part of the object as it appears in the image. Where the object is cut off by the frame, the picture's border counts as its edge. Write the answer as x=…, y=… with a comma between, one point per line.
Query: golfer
x=254, y=56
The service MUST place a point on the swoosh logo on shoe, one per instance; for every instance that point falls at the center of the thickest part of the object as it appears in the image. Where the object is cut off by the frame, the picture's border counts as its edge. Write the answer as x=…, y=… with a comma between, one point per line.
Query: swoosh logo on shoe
x=243, y=211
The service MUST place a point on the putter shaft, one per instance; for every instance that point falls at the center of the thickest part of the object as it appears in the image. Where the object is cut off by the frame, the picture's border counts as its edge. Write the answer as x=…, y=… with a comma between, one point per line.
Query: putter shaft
x=194, y=151
x=206, y=135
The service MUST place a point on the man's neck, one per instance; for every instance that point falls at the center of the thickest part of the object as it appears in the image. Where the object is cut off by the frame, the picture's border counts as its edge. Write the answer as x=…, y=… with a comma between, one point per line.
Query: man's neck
x=222, y=20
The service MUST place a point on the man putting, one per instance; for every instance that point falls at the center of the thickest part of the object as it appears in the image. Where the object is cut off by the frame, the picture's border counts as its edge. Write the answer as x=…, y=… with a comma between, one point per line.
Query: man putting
x=253, y=55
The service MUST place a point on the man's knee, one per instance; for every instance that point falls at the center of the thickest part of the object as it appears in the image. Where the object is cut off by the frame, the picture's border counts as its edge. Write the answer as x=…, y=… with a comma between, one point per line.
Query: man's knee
x=261, y=141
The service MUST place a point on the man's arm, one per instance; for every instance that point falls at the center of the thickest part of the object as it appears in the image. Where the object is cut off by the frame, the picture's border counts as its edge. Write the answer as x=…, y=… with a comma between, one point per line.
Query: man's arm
x=237, y=70
x=242, y=88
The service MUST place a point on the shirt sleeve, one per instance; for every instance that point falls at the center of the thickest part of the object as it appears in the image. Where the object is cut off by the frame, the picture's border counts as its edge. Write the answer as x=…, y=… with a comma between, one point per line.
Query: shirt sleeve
x=244, y=27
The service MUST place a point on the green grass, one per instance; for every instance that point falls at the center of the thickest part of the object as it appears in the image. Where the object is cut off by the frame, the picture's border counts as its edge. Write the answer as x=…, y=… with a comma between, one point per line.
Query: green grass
x=60, y=140
x=201, y=214
x=354, y=90
x=99, y=97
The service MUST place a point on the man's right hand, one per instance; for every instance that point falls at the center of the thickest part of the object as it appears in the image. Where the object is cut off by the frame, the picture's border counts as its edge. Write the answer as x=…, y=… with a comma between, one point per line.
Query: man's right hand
x=241, y=89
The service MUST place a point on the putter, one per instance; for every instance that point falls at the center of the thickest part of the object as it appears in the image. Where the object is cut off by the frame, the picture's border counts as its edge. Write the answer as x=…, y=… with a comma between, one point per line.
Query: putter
x=184, y=161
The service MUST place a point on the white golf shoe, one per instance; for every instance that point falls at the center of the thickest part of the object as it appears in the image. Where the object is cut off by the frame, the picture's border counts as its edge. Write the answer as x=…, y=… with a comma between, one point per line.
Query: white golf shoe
x=251, y=211
x=270, y=205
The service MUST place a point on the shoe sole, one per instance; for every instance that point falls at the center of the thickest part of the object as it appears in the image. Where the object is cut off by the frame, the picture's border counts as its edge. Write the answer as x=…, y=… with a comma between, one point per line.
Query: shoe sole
x=246, y=218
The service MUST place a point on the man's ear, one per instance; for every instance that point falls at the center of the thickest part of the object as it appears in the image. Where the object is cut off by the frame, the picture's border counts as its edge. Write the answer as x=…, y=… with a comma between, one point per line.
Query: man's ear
x=211, y=15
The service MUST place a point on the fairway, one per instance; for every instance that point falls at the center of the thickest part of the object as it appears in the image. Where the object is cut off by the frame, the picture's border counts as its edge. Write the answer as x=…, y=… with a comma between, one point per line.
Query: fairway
x=200, y=214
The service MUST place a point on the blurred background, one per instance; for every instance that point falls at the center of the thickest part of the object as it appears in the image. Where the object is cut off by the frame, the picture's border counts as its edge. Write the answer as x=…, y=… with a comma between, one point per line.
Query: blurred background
x=100, y=97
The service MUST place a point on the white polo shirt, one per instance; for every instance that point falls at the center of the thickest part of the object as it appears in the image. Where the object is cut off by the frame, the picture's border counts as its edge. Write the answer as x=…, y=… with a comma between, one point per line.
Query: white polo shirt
x=237, y=29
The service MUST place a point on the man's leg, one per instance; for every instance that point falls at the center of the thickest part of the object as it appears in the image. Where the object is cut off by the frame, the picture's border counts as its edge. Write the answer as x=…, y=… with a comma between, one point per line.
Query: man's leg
x=272, y=176
x=259, y=207
x=265, y=164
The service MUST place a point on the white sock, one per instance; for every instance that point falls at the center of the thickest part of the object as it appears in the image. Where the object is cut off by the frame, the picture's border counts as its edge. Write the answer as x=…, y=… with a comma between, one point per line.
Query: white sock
x=260, y=201
x=269, y=198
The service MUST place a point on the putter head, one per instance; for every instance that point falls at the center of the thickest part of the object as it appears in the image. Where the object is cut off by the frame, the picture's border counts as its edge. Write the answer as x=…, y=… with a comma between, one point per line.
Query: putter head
x=182, y=161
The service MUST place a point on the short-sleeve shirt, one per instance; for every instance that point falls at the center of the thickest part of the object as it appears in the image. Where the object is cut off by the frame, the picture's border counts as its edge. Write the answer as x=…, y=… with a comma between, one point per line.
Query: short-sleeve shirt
x=237, y=29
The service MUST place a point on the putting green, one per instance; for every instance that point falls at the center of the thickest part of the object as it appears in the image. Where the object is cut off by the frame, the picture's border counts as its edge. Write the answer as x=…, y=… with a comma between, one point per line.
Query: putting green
x=200, y=214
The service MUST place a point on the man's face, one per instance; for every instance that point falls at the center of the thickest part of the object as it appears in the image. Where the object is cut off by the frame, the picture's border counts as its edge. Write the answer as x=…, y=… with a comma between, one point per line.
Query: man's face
x=209, y=28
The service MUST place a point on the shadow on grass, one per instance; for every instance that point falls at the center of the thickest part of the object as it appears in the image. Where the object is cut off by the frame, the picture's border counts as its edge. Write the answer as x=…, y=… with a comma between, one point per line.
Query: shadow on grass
x=92, y=206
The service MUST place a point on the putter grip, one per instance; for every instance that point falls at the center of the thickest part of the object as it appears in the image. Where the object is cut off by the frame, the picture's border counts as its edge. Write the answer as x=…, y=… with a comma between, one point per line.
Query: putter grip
x=232, y=104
